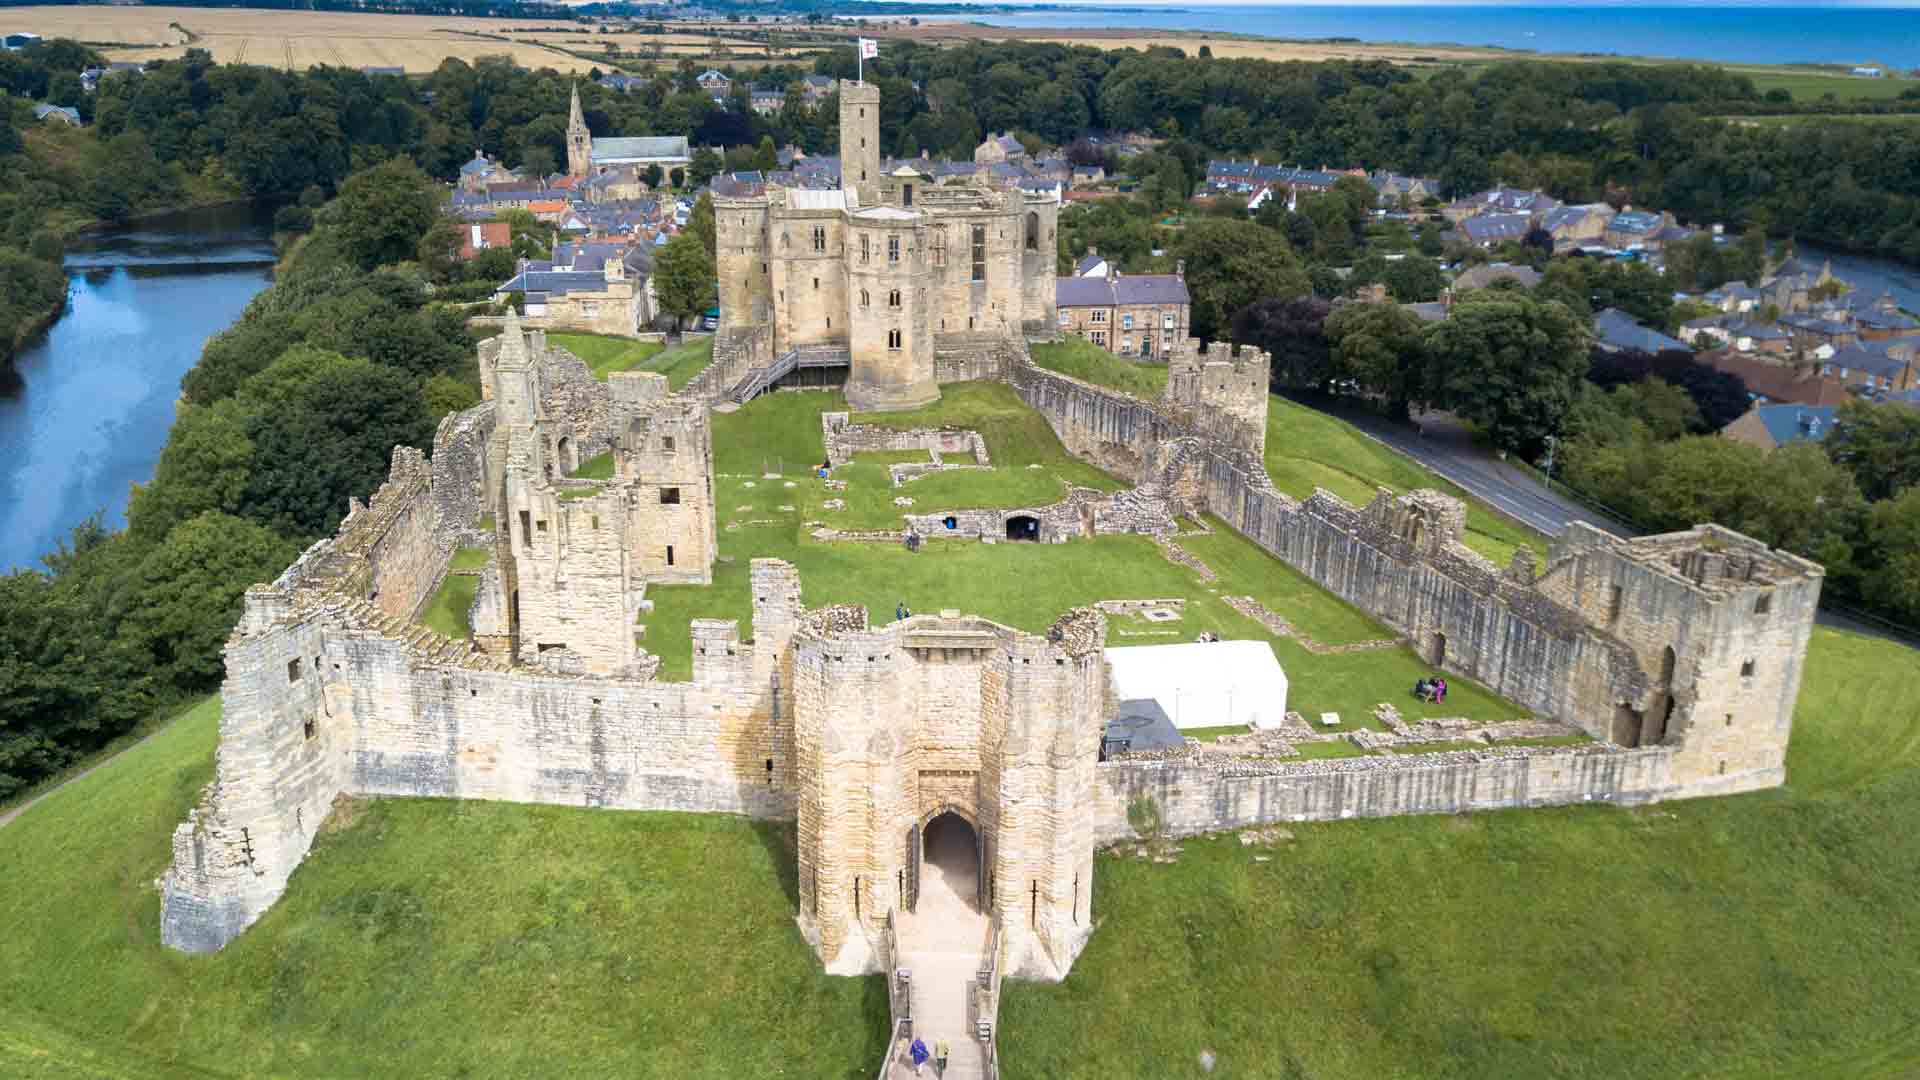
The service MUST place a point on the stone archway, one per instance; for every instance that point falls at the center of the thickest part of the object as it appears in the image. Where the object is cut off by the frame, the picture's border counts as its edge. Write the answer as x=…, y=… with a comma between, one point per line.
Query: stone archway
x=1023, y=527
x=949, y=864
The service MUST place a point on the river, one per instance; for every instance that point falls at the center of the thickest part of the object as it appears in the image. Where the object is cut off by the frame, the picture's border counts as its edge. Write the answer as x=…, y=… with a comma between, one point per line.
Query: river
x=89, y=407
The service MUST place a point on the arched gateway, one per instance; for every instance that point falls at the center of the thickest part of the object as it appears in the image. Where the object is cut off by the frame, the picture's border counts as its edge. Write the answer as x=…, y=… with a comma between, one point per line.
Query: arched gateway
x=946, y=769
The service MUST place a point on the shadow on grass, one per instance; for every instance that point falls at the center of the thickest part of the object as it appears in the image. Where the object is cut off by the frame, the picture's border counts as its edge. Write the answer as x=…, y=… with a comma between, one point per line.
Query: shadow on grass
x=777, y=837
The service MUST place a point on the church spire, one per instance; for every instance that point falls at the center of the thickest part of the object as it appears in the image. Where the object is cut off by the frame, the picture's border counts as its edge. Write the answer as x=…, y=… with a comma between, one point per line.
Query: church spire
x=579, y=139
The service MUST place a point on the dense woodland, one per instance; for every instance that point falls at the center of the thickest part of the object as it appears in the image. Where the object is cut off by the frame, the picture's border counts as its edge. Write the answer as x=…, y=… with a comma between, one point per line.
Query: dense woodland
x=295, y=409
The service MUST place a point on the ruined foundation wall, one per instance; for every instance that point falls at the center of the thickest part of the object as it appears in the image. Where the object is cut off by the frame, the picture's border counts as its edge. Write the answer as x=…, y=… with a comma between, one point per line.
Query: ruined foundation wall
x=1202, y=798
x=1498, y=631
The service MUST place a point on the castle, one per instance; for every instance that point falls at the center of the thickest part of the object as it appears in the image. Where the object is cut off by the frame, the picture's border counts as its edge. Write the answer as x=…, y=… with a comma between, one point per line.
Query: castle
x=893, y=747
x=887, y=276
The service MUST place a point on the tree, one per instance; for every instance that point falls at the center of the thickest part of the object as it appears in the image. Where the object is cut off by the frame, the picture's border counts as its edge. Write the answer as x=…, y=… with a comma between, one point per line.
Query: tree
x=202, y=468
x=1879, y=443
x=181, y=602
x=381, y=213
x=1509, y=363
x=1539, y=242
x=1230, y=264
x=1414, y=279
x=705, y=166
x=683, y=276
x=1292, y=331
x=1379, y=346
x=765, y=157
x=1893, y=533
x=323, y=428
x=700, y=223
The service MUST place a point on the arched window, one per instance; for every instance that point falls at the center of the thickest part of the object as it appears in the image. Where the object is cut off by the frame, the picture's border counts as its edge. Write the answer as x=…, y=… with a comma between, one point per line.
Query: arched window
x=864, y=299
x=893, y=339
x=893, y=298
x=1033, y=231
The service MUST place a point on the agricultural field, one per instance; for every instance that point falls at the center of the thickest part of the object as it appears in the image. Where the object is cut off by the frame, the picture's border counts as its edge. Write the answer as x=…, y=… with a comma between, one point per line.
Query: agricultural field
x=300, y=39
x=1812, y=86
x=1823, y=120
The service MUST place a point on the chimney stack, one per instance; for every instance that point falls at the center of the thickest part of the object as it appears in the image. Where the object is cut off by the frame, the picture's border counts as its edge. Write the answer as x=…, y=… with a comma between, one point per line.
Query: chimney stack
x=1180, y=269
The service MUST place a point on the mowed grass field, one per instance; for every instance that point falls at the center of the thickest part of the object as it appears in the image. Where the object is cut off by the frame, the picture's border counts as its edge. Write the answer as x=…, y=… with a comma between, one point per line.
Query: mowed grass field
x=1765, y=935
x=1813, y=85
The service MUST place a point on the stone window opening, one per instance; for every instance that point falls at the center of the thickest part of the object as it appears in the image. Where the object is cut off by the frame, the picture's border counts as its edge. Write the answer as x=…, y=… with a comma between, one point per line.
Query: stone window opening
x=865, y=299
x=816, y=284
x=893, y=249
x=311, y=727
x=866, y=245
x=893, y=339
x=1746, y=669
x=1033, y=231
x=669, y=496
x=939, y=247
x=1099, y=316
x=893, y=299
x=769, y=770
x=1126, y=322
x=1613, y=603
x=669, y=554
x=819, y=238
x=1729, y=719
x=666, y=443
x=1763, y=604
x=979, y=253
x=293, y=670
x=540, y=526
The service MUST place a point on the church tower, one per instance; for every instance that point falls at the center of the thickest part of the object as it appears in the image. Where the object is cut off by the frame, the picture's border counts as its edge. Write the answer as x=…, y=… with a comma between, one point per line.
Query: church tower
x=579, y=139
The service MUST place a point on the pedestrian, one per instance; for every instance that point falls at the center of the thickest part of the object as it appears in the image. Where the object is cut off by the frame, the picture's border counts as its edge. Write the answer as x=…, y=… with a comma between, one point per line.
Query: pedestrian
x=940, y=1057
x=918, y=1052
x=1439, y=691
x=900, y=611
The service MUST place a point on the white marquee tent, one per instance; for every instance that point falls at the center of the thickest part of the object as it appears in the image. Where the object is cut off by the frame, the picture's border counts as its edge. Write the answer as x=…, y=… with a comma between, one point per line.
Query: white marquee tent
x=1205, y=684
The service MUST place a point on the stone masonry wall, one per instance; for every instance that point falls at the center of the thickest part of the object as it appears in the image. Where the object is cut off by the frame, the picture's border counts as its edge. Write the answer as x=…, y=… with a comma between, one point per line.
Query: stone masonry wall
x=1196, y=798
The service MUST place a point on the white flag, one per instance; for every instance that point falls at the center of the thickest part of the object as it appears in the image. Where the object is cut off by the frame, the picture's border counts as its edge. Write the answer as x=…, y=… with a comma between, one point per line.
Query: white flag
x=869, y=48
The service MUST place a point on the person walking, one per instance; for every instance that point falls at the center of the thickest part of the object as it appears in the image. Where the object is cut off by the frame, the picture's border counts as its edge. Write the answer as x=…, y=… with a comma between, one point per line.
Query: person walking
x=918, y=1052
x=940, y=1057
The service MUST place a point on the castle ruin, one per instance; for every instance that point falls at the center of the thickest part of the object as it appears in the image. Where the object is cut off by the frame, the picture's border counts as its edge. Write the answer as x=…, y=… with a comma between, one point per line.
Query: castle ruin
x=1680, y=654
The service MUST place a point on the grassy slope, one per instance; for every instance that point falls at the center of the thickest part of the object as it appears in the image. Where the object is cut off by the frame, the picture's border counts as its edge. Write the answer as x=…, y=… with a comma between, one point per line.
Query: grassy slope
x=1306, y=449
x=605, y=355
x=1763, y=935
x=432, y=938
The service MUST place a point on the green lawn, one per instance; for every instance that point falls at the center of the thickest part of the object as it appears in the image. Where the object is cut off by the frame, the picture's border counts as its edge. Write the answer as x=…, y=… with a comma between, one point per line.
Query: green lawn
x=431, y=938
x=1088, y=362
x=1308, y=449
x=598, y=467
x=605, y=355
x=446, y=612
x=1767, y=935
x=1022, y=585
x=1819, y=120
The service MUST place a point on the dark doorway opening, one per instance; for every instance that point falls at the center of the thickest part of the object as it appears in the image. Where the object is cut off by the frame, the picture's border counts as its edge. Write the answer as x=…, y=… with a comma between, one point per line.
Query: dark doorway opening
x=1023, y=527
x=1439, y=650
x=950, y=866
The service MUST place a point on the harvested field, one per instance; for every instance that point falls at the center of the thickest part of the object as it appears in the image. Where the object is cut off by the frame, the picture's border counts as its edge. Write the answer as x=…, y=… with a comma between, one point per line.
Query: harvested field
x=300, y=39
x=1221, y=45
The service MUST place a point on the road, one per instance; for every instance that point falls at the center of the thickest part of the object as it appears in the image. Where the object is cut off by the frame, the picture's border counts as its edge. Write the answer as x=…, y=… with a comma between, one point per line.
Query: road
x=1447, y=448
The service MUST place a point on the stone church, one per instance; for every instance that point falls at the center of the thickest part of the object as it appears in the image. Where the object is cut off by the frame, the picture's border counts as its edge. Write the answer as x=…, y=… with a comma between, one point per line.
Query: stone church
x=905, y=283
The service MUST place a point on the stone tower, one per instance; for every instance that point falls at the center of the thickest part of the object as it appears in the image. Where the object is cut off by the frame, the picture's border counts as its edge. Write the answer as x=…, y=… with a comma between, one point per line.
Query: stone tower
x=889, y=339
x=579, y=139
x=859, y=140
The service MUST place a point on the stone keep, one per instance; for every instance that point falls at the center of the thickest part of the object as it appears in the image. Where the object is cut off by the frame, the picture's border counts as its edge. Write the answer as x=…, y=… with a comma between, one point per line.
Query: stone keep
x=898, y=272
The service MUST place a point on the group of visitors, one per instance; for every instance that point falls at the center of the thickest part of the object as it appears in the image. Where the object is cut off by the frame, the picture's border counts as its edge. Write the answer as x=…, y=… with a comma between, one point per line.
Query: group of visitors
x=1433, y=689
x=918, y=1052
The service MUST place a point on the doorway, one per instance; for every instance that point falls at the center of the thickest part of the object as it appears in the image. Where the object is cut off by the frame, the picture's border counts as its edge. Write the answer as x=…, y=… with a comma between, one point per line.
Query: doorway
x=1023, y=527
x=950, y=867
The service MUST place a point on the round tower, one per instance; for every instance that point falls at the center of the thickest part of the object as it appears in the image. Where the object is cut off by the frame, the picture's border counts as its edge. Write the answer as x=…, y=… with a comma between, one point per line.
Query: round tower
x=890, y=339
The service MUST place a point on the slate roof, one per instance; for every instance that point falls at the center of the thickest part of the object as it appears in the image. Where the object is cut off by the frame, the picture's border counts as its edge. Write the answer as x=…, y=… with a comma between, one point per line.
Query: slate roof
x=1636, y=222
x=1615, y=329
x=1125, y=289
x=1796, y=423
x=1479, y=277
x=1511, y=199
x=1087, y=262
x=1773, y=381
x=1485, y=227
x=666, y=148
x=555, y=282
x=1230, y=175
x=1876, y=358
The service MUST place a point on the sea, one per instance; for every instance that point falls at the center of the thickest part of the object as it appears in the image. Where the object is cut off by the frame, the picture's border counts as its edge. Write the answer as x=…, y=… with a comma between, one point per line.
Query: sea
x=1727, y=33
